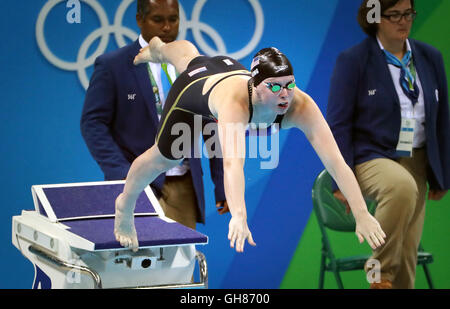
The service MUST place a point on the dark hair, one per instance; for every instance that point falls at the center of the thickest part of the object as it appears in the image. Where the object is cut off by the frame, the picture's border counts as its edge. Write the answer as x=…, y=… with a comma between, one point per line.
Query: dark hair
x=371, y=29
x=270, y=62
x=143, y=7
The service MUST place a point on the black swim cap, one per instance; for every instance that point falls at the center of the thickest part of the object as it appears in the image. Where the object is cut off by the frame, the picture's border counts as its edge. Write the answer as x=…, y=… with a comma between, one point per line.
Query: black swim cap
x=270, y=62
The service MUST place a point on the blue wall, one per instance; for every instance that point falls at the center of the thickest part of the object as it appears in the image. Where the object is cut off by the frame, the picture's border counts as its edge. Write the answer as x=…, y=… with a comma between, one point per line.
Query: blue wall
x=41, y=106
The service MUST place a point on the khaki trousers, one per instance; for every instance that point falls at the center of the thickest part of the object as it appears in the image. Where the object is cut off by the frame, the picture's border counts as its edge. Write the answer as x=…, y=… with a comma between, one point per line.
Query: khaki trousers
x=178, y=200
x=399, y=187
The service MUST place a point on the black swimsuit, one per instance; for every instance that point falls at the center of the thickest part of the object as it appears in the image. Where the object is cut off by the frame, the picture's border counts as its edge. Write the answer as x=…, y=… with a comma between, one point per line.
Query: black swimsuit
x=185, y=100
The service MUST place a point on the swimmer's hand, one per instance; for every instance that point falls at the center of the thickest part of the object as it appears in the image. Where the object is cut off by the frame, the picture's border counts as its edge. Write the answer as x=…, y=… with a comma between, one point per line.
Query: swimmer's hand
x=124, y=229
x=150, y=53
x=367, y=227
x=238, y=233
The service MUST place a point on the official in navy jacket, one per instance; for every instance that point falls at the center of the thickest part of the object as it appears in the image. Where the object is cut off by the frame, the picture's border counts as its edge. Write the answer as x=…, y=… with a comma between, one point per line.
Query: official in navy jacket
x=367, y=102
x=365, y=130
x=119, y=119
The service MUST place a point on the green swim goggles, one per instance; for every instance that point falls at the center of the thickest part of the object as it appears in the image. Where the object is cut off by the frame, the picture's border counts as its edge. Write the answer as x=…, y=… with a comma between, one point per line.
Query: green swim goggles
x=274, y=87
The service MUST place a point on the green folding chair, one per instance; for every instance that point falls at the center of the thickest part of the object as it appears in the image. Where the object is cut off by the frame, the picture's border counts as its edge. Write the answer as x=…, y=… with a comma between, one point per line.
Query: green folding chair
x=331, y=214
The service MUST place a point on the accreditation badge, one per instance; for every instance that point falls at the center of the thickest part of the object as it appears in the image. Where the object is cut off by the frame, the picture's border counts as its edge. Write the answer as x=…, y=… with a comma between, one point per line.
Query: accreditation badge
x=406, y=137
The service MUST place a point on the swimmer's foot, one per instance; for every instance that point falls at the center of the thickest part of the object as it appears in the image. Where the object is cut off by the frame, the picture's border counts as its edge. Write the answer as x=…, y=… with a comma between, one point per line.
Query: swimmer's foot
x=151, y=53
x=124, y=229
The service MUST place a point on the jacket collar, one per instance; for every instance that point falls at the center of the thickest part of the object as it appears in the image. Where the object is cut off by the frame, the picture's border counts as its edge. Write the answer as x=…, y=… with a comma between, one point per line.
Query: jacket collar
x=420, y=62
x=381, y=68
x=143, y=81
x=423, y=71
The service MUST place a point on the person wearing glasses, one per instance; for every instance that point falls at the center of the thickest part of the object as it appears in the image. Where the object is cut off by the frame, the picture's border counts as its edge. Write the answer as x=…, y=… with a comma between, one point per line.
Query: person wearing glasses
x=388, y=111
x=222, y=89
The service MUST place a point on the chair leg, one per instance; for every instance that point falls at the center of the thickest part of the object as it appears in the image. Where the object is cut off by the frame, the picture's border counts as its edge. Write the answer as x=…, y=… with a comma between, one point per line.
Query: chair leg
x=338, y=278
x=428, y=276
x=322, y=271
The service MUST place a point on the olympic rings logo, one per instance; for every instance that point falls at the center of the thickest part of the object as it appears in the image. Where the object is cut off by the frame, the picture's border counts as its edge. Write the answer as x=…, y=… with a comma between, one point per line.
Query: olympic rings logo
x=120, y=32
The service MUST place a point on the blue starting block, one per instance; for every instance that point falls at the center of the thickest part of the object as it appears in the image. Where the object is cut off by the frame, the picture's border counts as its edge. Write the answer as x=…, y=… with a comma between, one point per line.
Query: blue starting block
x=69, y=239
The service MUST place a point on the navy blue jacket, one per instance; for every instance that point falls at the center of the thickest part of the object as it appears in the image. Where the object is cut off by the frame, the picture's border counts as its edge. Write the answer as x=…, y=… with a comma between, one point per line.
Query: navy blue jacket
x=119, y=121
x=366, y=123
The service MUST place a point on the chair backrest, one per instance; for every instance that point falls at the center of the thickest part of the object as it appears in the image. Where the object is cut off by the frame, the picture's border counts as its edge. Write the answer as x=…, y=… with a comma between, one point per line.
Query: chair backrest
x=330, y=211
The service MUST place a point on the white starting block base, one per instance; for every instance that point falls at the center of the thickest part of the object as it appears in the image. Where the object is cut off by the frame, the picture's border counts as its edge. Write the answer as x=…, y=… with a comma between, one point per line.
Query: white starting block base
x=81, y=253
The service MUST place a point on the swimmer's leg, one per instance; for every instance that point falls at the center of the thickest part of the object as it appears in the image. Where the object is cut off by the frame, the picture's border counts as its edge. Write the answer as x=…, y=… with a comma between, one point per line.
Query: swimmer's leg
x=143, y=171
x=178, y=53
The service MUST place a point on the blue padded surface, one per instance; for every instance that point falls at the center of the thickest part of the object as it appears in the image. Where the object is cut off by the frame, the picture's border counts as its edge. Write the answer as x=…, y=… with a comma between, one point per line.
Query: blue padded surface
x=151, y=231
x=94, y=200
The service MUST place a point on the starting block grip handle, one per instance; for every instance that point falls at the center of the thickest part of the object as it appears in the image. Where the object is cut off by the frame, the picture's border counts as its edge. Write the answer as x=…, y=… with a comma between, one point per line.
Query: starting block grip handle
x=54, y=260
x=200, y=257
x=203, y=268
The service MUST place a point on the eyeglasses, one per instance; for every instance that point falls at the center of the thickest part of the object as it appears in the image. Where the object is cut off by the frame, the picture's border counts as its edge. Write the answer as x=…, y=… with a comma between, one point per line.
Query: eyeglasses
x=397, y=17
x=274, y=87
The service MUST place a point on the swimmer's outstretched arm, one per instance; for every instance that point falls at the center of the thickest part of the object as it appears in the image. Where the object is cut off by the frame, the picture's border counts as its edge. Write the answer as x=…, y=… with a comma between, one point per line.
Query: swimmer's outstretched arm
x=232, y=124
x=306, y=116
x=177, y=53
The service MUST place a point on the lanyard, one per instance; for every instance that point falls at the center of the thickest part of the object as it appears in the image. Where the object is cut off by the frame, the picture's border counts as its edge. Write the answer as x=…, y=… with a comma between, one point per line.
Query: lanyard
x=412, y=70
x=164, y=67
x=155, y=86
